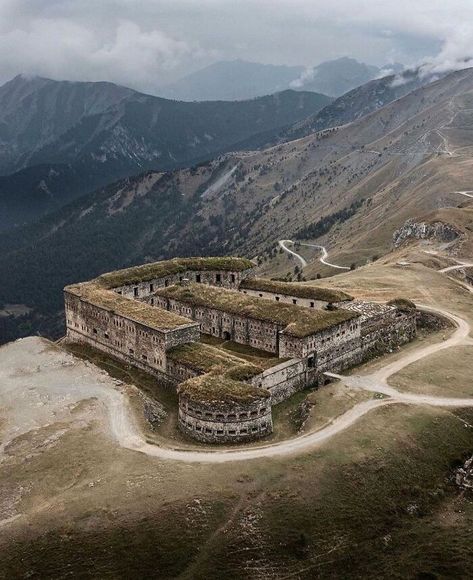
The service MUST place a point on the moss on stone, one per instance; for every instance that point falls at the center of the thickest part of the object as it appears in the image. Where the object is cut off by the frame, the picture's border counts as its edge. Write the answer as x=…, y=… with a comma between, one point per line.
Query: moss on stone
x=297, y=290
x=296, y=321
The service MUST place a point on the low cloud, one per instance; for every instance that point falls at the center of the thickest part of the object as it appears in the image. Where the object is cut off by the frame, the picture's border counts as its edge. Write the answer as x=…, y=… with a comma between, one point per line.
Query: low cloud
x=306, y=76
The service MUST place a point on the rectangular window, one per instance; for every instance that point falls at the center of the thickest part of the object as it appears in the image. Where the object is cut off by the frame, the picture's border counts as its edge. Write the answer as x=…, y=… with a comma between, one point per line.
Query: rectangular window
x=233, y=278
x=218, y=278
x=197, y=278
x=135, y=292
x=151, y=287
x=312, y=304
x=294, y=301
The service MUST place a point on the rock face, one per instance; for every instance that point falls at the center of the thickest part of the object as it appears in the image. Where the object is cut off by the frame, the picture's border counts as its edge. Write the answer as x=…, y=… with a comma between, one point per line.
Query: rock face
x=413, y=230
x=464, y=475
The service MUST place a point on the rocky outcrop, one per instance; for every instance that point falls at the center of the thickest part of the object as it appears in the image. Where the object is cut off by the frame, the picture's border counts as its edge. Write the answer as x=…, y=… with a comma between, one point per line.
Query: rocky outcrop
x=413, y=230
x=464, y=475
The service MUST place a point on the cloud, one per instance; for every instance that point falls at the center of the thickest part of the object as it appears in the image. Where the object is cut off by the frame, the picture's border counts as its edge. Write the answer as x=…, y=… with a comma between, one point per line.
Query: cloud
x=306, y=76
x=146, y=43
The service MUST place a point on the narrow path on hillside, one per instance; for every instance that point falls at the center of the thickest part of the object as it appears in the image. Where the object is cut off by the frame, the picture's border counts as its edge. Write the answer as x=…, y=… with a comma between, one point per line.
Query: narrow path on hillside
x=457, y=266
x=323, y=259
x=283, y=245
x=468, y=193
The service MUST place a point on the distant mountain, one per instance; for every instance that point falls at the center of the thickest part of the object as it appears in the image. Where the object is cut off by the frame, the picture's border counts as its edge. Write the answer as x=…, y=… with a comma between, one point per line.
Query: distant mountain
x=60, y=139
x=348, y=188
x=238, y=79
x=232, y=81
x=336, y=76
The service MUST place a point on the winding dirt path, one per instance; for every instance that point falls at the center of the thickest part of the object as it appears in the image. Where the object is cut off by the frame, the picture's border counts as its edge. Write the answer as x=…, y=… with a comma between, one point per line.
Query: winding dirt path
x=323, y=259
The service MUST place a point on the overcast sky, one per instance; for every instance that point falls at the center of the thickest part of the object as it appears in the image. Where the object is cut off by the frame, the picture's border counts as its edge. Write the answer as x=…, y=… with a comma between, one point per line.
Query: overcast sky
x=146, y=43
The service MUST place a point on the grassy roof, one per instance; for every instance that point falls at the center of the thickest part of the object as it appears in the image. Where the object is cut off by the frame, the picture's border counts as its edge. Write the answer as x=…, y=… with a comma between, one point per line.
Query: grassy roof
x=146, y=272
x=296, y=321
x=219, y=389
x=156, y=318
x=203, y=357
x=298, y=290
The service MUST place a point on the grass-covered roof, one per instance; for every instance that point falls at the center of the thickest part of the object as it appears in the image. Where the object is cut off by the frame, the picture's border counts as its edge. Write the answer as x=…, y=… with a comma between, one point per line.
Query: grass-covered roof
x=296, y=321
x=146, y=272
x=220, y=390
x=297, y=290
x=156, y=318
x=202, y=357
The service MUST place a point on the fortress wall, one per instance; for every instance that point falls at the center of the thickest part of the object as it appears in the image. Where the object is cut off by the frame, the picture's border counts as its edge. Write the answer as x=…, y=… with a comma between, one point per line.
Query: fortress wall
x=125, y=339
x=304, y=302
x=256, y=333
x=180, y=371
x=208, y=423
x=285, y=379
x=219, y=278
x=329, y=339
x=379, y=337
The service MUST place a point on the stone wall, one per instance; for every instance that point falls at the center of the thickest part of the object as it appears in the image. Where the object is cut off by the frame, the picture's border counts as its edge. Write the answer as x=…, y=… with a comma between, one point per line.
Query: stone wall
x=285, y=379
x=211, y=423
x=328, y=339
x=243, y=330
x=130, y=341
x=219, y=278
x=304, y=302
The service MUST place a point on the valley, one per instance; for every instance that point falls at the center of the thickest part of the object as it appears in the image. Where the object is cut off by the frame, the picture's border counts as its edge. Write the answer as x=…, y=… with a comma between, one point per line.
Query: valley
x=348, y=189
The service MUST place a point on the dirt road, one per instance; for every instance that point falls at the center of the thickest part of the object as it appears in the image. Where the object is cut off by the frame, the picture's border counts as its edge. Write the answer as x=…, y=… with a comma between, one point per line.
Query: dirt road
x=38, y=384
x=323, y=259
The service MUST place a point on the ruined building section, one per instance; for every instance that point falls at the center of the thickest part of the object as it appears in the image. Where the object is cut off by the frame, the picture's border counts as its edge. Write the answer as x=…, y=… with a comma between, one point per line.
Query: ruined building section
x=383, y=327
x=156, y=316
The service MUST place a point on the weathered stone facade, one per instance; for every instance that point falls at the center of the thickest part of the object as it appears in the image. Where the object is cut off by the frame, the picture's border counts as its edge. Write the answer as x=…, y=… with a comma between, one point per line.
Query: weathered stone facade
x=212, y=423
x=126, y=315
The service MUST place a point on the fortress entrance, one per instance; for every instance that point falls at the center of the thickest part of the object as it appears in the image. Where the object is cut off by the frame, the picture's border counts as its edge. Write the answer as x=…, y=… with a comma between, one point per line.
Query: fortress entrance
x=226, y=335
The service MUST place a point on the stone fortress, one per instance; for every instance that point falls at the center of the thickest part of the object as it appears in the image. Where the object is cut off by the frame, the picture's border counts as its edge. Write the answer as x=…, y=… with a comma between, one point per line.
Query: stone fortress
x=231, y=344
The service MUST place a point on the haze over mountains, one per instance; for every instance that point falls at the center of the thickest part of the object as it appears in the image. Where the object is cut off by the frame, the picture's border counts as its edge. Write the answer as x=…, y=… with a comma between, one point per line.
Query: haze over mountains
x=239, y=79
x=60, y=139
x=352, y=186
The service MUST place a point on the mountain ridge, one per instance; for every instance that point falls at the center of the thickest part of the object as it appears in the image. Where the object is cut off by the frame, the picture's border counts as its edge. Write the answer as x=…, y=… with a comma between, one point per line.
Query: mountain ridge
x=95, y=133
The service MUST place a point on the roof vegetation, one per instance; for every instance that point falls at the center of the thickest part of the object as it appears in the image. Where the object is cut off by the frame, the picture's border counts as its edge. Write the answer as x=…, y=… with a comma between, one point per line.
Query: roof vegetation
x=297, y=290
x=296, y=321
x=156, y=318
x=219, y=389
x=202, y=357
x=146, y=272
